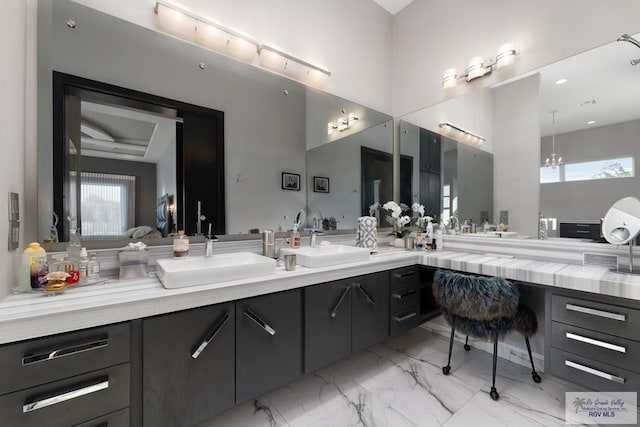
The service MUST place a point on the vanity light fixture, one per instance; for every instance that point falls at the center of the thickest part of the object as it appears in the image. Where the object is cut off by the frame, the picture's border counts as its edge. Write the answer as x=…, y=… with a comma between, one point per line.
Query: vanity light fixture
x=298, y=69
x=477, y=67
x=555, y=160
x=636, y=43
x=189, y=26
x=461, y=135
x=342, y=123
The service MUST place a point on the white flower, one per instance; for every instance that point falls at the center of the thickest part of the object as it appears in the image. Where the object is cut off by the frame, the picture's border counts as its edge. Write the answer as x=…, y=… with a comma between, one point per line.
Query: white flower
x=374, y=207
x=392, y=206
x=428, y=218
x=404, y=221
x=396, y=214
x=417, y=207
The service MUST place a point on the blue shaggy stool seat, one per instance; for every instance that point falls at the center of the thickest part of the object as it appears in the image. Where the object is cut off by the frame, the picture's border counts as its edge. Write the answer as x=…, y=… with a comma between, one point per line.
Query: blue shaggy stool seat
x=483, y=307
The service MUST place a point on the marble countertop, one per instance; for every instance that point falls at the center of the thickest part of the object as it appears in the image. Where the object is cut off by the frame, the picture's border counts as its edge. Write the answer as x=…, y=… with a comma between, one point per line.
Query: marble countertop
x=25, y=316
x=599, y=280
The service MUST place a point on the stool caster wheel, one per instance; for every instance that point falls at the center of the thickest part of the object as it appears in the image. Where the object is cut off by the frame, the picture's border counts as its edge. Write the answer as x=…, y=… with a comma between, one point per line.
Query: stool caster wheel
x=494, y=393
x=536, y=377
x=446, y=370
x=467, y=347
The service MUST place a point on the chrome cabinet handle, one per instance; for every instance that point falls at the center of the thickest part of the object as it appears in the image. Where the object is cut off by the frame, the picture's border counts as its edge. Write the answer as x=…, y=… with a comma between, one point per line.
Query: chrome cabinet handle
x=403, y=275
x=403, y=294
x=366, y=295
x=595, y=372
x=268, y=329
x=214, y=331
x=596, y=312
x=339, y=303
x=583, y=231
x=64, y=397
x=405, y=317
x=68, y=351
x=595, y=342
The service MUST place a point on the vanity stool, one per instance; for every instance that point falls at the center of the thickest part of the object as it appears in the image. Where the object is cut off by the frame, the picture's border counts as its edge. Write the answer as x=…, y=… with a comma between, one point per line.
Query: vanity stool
x=483, y=307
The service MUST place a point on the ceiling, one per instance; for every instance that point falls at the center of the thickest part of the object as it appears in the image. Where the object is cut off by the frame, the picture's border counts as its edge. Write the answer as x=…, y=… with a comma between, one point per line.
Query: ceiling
x=393, y=6
x=126, y=134
x=601, y=86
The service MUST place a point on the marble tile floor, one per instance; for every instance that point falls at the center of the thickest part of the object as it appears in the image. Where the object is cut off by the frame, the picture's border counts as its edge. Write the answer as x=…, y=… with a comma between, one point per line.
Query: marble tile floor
x=400, y=383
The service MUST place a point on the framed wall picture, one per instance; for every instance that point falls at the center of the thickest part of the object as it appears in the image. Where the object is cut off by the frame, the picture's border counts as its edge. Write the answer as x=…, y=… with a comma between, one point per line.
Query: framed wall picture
x=320, y=184
x=290, y=181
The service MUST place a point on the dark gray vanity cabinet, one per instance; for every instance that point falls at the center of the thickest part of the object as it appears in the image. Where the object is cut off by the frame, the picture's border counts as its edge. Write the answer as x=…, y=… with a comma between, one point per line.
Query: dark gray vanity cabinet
x=345, y=316
x=594, y=340
x=268, y=342
x=67, y=379
x=188, y=365
x=327, y=309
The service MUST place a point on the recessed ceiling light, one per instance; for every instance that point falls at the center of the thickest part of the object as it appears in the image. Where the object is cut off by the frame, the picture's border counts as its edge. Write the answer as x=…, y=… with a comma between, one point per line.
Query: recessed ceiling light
x=591, y=122
x=71, y=23
x=561, y=81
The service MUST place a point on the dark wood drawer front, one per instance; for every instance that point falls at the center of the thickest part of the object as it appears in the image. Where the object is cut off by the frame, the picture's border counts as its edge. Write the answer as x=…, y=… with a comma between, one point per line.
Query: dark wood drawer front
x=403, y=298
x=30, y=363
x=404, y=277
x=591, y=373
x=69, y=401
x=607, y=318
x=404, y=320
x=114, y=419
x=605, y=348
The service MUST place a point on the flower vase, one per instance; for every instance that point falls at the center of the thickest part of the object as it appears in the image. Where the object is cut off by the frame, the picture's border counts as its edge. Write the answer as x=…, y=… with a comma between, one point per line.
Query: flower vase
x=398, y=242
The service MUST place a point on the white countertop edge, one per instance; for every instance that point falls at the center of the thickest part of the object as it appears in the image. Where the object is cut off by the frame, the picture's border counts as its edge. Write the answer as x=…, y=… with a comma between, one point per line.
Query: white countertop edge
x=23, y=318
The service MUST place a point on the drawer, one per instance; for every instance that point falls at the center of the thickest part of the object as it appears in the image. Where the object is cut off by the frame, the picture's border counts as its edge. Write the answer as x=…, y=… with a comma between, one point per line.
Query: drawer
x=69, y=401
x=593, y=374
x=404, y=277
x=29, y=363
x=404, y=320
x=605, y=348
x=611, y=319
x=580, y=230
x=115, y=419
x=403, y=298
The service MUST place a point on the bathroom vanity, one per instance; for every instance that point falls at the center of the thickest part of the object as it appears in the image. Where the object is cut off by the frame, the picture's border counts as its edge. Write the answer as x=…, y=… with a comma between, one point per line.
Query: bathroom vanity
x=135, y=353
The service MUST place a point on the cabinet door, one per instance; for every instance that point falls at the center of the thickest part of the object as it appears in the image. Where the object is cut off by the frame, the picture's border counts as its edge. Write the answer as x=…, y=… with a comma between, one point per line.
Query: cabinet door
x=370, y=310
x=268, y=342
x=327, y=335
x=188, y=365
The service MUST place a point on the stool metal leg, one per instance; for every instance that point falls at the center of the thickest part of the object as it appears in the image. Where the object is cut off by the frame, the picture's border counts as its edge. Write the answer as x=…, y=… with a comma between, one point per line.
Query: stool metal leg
x=494, y=393
x=534, y=374
x=467, y=347
x=447, y=369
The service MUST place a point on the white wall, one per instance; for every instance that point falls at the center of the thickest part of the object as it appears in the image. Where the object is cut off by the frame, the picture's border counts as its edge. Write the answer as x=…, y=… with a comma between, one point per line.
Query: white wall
x=13, y=78
x=516, y=154
x=430, y=37
x=353, y=39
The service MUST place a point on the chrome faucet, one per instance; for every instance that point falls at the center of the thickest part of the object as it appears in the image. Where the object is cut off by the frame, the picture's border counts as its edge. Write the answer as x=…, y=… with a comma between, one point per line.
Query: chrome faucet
x=313, y=240
x=208, y=243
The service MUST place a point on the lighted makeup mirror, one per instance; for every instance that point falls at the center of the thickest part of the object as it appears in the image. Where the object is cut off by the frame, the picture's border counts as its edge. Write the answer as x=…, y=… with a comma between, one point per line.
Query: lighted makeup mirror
x=621, y=225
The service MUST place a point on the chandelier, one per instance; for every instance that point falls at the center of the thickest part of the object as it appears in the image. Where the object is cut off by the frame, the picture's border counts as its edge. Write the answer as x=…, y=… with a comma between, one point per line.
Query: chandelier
x=555, y=160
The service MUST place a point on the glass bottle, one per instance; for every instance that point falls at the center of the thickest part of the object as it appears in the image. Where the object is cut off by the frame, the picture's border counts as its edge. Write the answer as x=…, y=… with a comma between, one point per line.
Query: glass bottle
x=180, y=245
x=83, y=264
x=93, y=269
x=74, y=247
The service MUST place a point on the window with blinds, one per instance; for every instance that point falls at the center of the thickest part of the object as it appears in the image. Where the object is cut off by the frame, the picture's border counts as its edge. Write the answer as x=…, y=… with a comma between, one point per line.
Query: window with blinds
x=107, y=203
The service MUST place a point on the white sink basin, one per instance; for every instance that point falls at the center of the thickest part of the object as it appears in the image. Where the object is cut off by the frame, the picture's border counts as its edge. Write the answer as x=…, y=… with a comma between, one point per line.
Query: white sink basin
x=320, y=256
x=191, y=271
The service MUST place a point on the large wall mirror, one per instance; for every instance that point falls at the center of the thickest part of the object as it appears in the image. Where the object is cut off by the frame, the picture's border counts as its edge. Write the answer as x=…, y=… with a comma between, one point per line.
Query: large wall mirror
x=597, y=123
x=271, y=126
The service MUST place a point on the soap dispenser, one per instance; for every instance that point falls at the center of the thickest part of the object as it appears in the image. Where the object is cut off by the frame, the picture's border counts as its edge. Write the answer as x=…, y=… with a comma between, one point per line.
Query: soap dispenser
x=294, y=238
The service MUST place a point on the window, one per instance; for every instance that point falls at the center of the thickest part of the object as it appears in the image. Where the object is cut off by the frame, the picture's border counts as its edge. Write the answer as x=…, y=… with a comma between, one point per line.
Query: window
x=107, y=203
x=585, y=171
